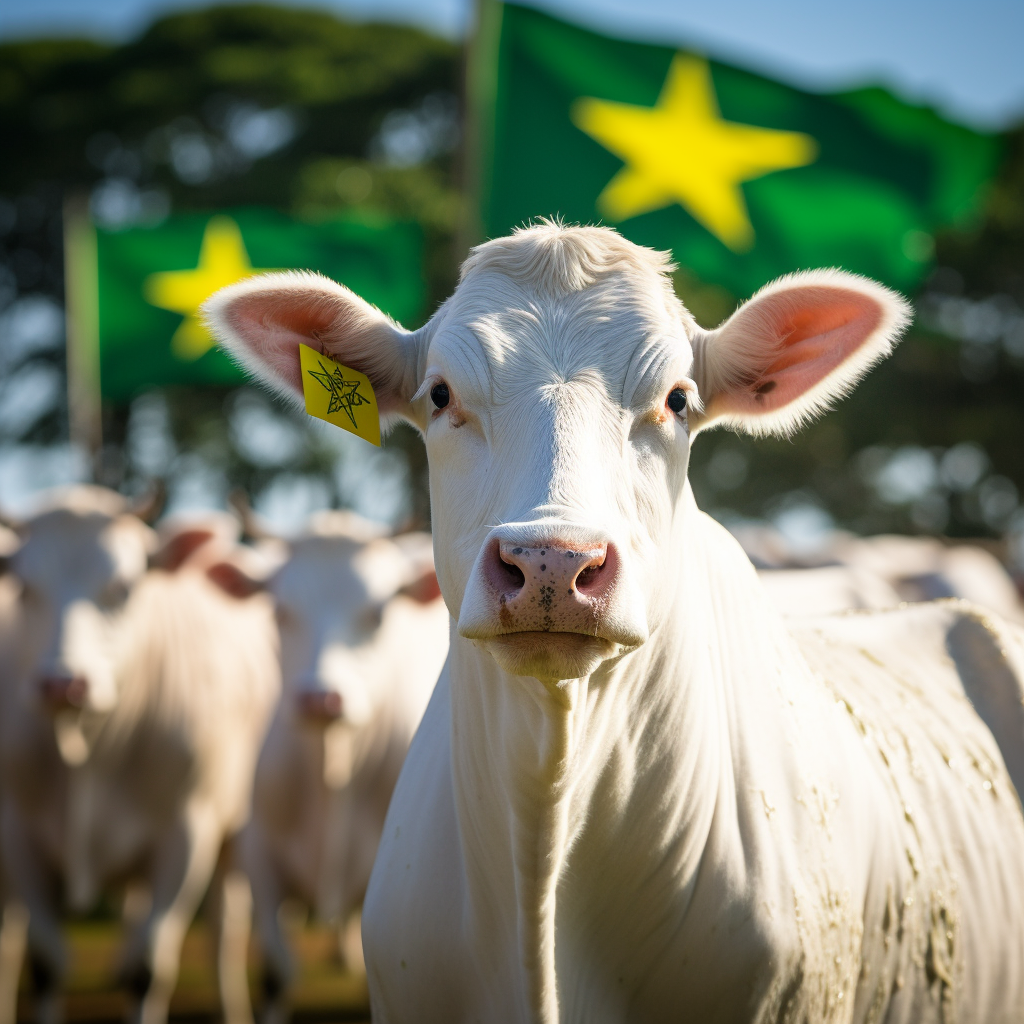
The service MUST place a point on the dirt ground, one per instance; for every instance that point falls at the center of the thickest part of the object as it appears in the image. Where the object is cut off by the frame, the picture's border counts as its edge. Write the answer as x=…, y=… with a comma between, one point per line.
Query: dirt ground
x=326, y=992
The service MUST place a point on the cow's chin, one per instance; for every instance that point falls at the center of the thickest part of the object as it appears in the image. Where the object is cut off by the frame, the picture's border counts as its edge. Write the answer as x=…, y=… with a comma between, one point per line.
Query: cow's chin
x=550, y=656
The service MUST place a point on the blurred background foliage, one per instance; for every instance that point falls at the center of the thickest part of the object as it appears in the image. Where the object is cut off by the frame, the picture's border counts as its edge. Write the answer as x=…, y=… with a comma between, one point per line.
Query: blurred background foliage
x=222, y=107
x=312, y=115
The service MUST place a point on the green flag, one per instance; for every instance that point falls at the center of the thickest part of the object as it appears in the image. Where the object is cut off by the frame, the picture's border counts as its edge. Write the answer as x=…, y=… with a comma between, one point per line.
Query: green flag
x=743, y=178
x=150, y=283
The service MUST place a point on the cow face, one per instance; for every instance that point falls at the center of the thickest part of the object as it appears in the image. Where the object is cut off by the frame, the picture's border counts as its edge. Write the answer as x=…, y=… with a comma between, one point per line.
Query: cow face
x=334, y=598
x=76, y=567
x=558, y=391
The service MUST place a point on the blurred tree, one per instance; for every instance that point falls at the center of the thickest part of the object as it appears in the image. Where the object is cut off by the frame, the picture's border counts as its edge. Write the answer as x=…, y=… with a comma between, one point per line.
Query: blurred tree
x=301, y=111
x=933, y=440
x=221, y=107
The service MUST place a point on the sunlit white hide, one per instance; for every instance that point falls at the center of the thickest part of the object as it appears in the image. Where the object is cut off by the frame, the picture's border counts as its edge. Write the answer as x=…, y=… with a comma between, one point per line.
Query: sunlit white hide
x=825, y=590
x=363, y=637
x=924, y=569
x=131, y=728
x=631, y=797
x=849, y=572
x=65, y=586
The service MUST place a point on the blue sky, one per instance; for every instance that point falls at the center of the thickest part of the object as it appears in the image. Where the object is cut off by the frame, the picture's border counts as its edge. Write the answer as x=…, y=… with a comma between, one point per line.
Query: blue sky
x=963, y=57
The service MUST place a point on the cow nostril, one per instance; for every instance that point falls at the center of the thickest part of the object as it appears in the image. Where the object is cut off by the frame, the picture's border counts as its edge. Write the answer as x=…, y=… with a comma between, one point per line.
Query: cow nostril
x=513, y=574
x=63, y=692
x=592, y=578
x=77, y=692
x=321, y=705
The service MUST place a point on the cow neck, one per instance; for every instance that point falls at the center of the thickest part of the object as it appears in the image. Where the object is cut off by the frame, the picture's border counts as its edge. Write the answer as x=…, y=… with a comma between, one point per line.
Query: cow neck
x=543, y=775
x=514, y=750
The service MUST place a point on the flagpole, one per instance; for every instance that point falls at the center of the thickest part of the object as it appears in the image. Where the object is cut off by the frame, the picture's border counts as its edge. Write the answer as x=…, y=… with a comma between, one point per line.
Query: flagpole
x=480, y=95
x=81, y=302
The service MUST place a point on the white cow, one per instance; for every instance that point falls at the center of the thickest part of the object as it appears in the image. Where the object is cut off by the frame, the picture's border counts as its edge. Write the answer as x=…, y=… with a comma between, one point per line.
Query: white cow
x=363, y=637
x=130, y=729
x=631, y=797
x=924, y=569
x=67, y=590
x=827, y=589
x=879, y=572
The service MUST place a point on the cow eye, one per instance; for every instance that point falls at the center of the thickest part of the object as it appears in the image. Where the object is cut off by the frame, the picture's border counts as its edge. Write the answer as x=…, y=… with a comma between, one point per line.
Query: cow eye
x=676, y=400
x=372, y=617
x=114, y=593
x=439, y=395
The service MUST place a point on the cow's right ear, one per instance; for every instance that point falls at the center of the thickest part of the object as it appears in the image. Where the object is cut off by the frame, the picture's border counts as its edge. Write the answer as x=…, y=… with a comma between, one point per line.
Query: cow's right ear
x=263, y=320
x=234, y=580
x=173, y=554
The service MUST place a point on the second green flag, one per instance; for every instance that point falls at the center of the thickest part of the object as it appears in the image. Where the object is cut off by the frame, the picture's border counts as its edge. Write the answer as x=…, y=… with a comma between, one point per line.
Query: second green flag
x=742, y=177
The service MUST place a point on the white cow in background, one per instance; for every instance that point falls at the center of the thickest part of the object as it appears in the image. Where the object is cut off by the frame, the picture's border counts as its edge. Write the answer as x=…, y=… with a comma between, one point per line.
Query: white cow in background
x=130, y=730
x=66, y=593
x=856, y=573
x=924, y=569
x=827, y=589
x=363, y=637
x=632, y=797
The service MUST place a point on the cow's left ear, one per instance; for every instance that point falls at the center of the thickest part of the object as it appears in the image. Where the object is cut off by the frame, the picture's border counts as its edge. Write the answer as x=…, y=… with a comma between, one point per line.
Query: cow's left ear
x=424, y=588
x=263, y=320
x=797, y=346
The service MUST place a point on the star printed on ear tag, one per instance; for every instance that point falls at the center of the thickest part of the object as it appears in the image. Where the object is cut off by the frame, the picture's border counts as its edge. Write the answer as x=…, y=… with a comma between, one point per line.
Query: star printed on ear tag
x=339, y=395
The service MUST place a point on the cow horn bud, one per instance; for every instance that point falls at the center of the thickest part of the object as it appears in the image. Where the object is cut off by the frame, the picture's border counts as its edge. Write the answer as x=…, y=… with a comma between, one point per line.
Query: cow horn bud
x=151, y=502
x=253, y=526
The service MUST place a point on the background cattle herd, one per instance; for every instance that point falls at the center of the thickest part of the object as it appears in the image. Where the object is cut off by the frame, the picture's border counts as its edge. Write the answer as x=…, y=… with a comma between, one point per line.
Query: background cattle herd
x=181, y=711
x=176, y=705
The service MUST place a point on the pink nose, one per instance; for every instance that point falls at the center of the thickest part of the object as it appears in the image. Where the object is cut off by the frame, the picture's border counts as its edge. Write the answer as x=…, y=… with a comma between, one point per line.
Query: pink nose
x=321, y=706
x=550, y=586
x=63, y=693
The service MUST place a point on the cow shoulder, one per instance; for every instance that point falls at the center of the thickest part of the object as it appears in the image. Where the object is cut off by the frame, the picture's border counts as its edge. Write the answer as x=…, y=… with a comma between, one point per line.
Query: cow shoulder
x=414, y=904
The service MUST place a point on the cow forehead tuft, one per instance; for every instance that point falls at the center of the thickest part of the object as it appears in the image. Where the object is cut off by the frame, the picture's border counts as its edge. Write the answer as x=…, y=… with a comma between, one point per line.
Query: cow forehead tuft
x=560, y=297
x=558, y=260
x=499, y=339
x=344, y=525
x=81, y=500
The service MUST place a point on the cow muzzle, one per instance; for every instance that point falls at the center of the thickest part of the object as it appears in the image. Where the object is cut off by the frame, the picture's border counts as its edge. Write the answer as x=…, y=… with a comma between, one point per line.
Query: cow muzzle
x=320, y=707
x=551, y=607
x=64, y=693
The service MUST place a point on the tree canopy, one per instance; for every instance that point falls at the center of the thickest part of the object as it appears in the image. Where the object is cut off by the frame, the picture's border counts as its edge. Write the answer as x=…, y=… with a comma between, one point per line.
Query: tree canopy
x=313, y=115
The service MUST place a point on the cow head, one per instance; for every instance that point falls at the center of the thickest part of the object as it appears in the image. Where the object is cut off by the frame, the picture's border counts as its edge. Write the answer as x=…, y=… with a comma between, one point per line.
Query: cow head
x=558, y=391
x=332, y=597
x=77, y=563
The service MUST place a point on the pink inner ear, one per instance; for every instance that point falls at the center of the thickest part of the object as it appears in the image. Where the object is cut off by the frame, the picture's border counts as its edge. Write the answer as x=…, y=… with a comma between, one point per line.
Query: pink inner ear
x=812, y=331
x=274, y=324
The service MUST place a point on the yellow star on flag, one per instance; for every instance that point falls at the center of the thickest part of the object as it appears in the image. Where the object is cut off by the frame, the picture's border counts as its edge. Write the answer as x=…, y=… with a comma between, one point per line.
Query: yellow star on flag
x=222, y=261
x=682, y=151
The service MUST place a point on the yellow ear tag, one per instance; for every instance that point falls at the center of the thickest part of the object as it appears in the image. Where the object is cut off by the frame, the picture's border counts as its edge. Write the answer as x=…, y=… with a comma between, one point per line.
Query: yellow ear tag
x=339, y=395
